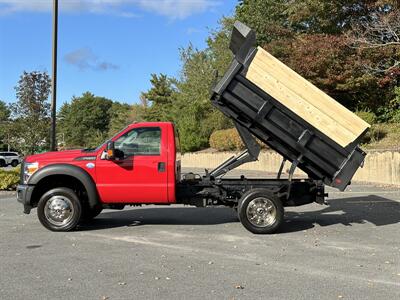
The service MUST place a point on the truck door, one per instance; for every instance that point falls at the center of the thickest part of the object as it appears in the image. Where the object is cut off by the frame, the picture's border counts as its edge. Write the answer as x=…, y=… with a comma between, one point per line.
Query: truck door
x=141, y=176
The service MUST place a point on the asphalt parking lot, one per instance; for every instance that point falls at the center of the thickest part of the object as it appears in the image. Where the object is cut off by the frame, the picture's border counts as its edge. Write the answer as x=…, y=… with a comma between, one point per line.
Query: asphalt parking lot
x=347, y=250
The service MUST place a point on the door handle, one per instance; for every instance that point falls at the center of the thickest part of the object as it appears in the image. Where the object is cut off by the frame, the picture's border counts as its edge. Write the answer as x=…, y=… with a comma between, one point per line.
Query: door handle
x=161, y=167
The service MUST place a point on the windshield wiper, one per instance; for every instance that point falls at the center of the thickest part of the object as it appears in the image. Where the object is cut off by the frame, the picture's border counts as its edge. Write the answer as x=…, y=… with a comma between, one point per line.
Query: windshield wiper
x=88, y=149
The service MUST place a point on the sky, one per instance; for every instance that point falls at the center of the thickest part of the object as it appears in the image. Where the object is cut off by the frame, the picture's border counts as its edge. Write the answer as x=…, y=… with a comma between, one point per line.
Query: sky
x=107, y=47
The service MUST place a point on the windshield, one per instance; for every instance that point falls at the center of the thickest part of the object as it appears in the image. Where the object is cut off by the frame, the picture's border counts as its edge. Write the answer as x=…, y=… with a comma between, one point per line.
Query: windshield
x=105, y=142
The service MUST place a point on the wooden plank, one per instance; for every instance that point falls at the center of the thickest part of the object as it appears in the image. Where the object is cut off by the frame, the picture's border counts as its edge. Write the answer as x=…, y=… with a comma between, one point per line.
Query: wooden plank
x=312, y=93
x=305, y=99
x=299, y=106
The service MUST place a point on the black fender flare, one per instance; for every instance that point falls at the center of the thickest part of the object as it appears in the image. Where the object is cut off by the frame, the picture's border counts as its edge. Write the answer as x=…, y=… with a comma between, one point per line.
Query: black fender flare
x=70, y=170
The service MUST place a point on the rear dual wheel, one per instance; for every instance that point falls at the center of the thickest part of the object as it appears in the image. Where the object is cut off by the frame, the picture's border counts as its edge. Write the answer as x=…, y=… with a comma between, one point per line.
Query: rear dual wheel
x=260, y=211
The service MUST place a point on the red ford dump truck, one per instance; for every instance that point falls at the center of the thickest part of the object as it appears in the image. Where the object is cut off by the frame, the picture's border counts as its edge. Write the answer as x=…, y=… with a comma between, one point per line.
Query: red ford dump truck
x=141, y=164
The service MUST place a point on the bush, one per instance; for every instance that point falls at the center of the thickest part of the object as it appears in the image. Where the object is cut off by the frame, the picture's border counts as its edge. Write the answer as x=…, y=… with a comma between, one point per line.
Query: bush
x=367, y=116
x=374, y=134
x=396, y=106
x=390, y=113
x=9, y=179
x=225, y=140
x=396, y=117
x=228, y=140
x=383, y=136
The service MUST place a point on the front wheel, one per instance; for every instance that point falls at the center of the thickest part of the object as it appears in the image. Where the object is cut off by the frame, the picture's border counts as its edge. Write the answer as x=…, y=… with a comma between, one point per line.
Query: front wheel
x=59, y=209
x=14, y=163
x=260, y=211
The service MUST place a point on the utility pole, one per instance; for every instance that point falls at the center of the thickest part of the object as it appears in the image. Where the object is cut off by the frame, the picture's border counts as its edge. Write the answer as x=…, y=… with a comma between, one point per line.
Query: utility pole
x=53, y=141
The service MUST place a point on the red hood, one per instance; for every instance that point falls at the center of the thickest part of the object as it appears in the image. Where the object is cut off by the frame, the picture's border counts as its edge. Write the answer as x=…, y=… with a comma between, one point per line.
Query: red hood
x=61, y=156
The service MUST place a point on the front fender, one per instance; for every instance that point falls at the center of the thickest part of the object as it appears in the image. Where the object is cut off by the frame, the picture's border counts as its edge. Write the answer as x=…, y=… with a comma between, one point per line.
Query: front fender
x=70, y=170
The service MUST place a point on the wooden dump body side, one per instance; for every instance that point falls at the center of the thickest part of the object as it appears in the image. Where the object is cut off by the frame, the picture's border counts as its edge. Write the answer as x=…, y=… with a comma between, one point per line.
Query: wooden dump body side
x=304, y=99
x=289, y=114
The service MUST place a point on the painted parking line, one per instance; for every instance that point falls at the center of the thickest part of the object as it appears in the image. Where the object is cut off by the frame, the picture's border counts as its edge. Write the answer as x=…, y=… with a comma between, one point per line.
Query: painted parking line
x=366, y=192
x=367, y=201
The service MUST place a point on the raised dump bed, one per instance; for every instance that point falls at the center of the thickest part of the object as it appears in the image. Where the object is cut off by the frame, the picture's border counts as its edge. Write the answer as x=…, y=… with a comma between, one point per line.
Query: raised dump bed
x=289, y=114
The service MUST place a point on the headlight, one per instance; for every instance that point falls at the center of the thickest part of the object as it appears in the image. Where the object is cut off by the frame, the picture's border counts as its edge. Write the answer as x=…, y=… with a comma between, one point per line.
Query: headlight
x=29, y=169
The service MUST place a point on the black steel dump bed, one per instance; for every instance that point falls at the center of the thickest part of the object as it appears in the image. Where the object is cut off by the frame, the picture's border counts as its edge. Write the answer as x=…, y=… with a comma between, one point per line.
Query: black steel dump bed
x=317, y=154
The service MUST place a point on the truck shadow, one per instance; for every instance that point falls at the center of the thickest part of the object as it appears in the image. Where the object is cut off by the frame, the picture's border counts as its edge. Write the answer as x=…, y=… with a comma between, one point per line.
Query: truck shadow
x=346, y=211
x=162, y=216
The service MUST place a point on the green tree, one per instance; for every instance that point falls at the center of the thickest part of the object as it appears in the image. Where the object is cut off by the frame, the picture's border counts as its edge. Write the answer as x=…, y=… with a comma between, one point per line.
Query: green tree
x=31, y=112
x=119, y=117
x=122, y=115
x=5, y=113
x=186, y=101
x=395, y=105
x=191, y=108
x=277, y=19
x=331, y=17
x=218, y=46
x=311, y=36
x=329, y=63
x=85, y=121
x=269, y=18
x=162, y=96
x=378, y=39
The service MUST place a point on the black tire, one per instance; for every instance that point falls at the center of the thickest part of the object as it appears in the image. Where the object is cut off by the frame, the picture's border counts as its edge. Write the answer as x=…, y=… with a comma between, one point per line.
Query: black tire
x=14, y=163
x=265, y=208
x=90, y=213
x=2, y=163
x=59, y=196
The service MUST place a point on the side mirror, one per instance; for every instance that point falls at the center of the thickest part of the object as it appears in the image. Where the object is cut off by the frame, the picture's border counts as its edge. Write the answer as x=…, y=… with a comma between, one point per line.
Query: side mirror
x=110, y=149
x=112, y=153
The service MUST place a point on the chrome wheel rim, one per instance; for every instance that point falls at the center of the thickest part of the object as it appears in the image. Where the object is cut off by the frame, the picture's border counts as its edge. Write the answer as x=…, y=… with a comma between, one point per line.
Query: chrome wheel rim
x=261, y=212
x=59, y=210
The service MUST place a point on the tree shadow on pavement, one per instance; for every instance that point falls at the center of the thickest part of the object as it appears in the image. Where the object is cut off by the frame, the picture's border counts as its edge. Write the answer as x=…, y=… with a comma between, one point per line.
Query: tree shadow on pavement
x=347, y=211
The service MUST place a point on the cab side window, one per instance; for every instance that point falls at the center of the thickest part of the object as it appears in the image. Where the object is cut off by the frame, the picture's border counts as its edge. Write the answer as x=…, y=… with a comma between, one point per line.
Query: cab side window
x=140, y=141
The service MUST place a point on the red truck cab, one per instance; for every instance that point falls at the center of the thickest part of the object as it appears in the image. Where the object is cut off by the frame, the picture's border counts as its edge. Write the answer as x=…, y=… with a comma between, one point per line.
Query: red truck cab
x=145, y=171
